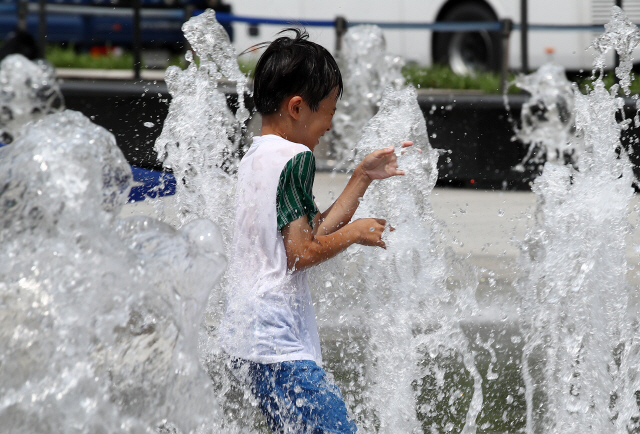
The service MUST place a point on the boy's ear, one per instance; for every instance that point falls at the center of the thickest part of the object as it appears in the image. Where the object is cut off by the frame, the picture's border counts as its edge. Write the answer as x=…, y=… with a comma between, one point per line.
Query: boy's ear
x=294, y=106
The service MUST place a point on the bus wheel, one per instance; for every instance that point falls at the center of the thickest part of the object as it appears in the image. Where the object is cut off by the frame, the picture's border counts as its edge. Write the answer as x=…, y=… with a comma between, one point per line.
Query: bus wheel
x=468, y=52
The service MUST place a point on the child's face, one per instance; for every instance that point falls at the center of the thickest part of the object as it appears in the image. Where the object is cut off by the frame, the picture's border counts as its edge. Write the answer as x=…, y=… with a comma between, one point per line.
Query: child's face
x=317, y=123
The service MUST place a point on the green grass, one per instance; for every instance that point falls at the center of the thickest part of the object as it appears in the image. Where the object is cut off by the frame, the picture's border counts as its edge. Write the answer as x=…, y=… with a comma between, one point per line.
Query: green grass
x=247, y=66
x=422, y=77
x=67, y=57
x=441, y=77
x=584, y=82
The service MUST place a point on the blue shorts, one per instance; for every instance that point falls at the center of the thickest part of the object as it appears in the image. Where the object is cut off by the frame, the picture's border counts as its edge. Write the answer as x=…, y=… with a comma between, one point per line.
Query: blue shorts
x=296, y=397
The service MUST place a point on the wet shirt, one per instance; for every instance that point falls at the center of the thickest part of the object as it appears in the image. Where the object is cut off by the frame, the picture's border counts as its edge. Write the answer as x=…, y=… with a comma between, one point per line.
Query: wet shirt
x=269, y=314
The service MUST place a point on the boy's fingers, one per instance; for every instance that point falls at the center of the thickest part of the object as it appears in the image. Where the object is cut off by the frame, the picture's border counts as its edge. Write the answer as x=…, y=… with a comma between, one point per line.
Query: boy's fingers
x=417, y=149
x=391, y=149
x=387, y=150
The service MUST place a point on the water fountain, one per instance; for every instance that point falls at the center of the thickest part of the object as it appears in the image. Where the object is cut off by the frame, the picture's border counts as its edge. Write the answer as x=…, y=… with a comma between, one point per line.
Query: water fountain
x=547, y=118
x=414, y=319
x=99, y=315
x=367, y=70
x=28, y=91
x=200, y=143
x=580, y=354
x=201, y=138
x=114, y=306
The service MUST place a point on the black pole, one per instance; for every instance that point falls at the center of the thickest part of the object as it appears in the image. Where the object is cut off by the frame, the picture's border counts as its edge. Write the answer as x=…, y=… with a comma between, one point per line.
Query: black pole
x=188, y=13
x=507, y=27
x=341, y=29
x=137, y=40
x=42, y=27
x=22, y=12
x=524, y=36
x=616, y=55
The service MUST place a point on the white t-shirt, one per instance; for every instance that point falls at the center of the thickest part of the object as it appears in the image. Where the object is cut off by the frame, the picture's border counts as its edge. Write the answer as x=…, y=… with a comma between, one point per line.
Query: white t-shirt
x=269, y=315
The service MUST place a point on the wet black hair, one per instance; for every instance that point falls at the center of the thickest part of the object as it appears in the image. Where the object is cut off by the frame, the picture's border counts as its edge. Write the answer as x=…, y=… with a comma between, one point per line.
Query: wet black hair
x=294, y=66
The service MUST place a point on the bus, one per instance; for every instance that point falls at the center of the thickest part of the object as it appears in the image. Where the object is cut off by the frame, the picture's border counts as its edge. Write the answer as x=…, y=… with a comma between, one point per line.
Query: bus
x=464, y=52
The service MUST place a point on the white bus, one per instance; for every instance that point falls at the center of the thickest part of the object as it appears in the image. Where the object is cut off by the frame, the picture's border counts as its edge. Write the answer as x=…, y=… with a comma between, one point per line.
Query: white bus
x=464, y=52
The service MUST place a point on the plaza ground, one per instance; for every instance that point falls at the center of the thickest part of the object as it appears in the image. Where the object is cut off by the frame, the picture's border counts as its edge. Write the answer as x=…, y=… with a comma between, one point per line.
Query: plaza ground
x=484, y=226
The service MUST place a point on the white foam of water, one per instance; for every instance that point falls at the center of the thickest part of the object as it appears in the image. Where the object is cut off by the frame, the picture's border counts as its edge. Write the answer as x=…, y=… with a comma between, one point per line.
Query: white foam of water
x=622, y=36
x=99, y=316
x=367, y=70
x=580, y=357
x=201, y=137
x=200, y=142
x=28, y=91
x=398, y=298
x=548, y=124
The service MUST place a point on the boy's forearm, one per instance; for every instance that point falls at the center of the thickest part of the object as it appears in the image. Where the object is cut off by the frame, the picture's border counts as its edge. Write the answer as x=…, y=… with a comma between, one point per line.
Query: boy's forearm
x=321, y=247
x=340, y=213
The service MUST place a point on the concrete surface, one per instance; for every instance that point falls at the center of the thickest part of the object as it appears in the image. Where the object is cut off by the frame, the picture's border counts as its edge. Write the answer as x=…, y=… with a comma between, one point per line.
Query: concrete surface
x=484, y=226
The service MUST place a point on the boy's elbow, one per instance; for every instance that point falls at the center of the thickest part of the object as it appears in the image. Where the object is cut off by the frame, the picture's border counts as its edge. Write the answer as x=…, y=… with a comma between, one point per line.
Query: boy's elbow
x=297, y=263
x=303, y=258
x=292, y=262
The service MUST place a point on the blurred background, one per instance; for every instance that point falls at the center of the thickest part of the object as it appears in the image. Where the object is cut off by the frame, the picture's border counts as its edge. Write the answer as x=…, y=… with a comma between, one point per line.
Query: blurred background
x=462, y=55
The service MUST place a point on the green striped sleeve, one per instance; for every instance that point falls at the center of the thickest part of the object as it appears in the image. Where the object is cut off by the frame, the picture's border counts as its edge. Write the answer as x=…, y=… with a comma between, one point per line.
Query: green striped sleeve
x=295, y=190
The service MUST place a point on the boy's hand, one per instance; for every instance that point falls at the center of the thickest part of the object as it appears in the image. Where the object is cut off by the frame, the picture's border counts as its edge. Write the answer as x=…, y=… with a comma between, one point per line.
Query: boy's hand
x=382, y=163
x=304, y=249
x=370, y=231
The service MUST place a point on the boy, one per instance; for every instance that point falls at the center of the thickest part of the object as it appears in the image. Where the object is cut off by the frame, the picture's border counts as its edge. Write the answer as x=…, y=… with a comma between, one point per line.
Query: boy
x=269, y=328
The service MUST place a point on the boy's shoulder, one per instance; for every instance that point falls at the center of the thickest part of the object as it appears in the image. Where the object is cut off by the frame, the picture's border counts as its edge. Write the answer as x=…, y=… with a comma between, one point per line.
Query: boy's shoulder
x=269, y=156
x=277, y=147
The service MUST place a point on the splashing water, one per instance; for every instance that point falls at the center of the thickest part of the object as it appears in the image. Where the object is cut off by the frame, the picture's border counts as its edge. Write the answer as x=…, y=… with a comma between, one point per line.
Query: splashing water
x=622, y=36
x=201, y=138
x=193, y=146
x=548, y=124
x=28, y=91
x=398, y=298
x=98, y=314
x=580, y=357
x=367, y=70
x=201, y=142
x=99, y=317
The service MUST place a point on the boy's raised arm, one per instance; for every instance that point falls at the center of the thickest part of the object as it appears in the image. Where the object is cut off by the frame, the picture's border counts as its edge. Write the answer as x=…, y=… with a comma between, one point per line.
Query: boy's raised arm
x=379, y=164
